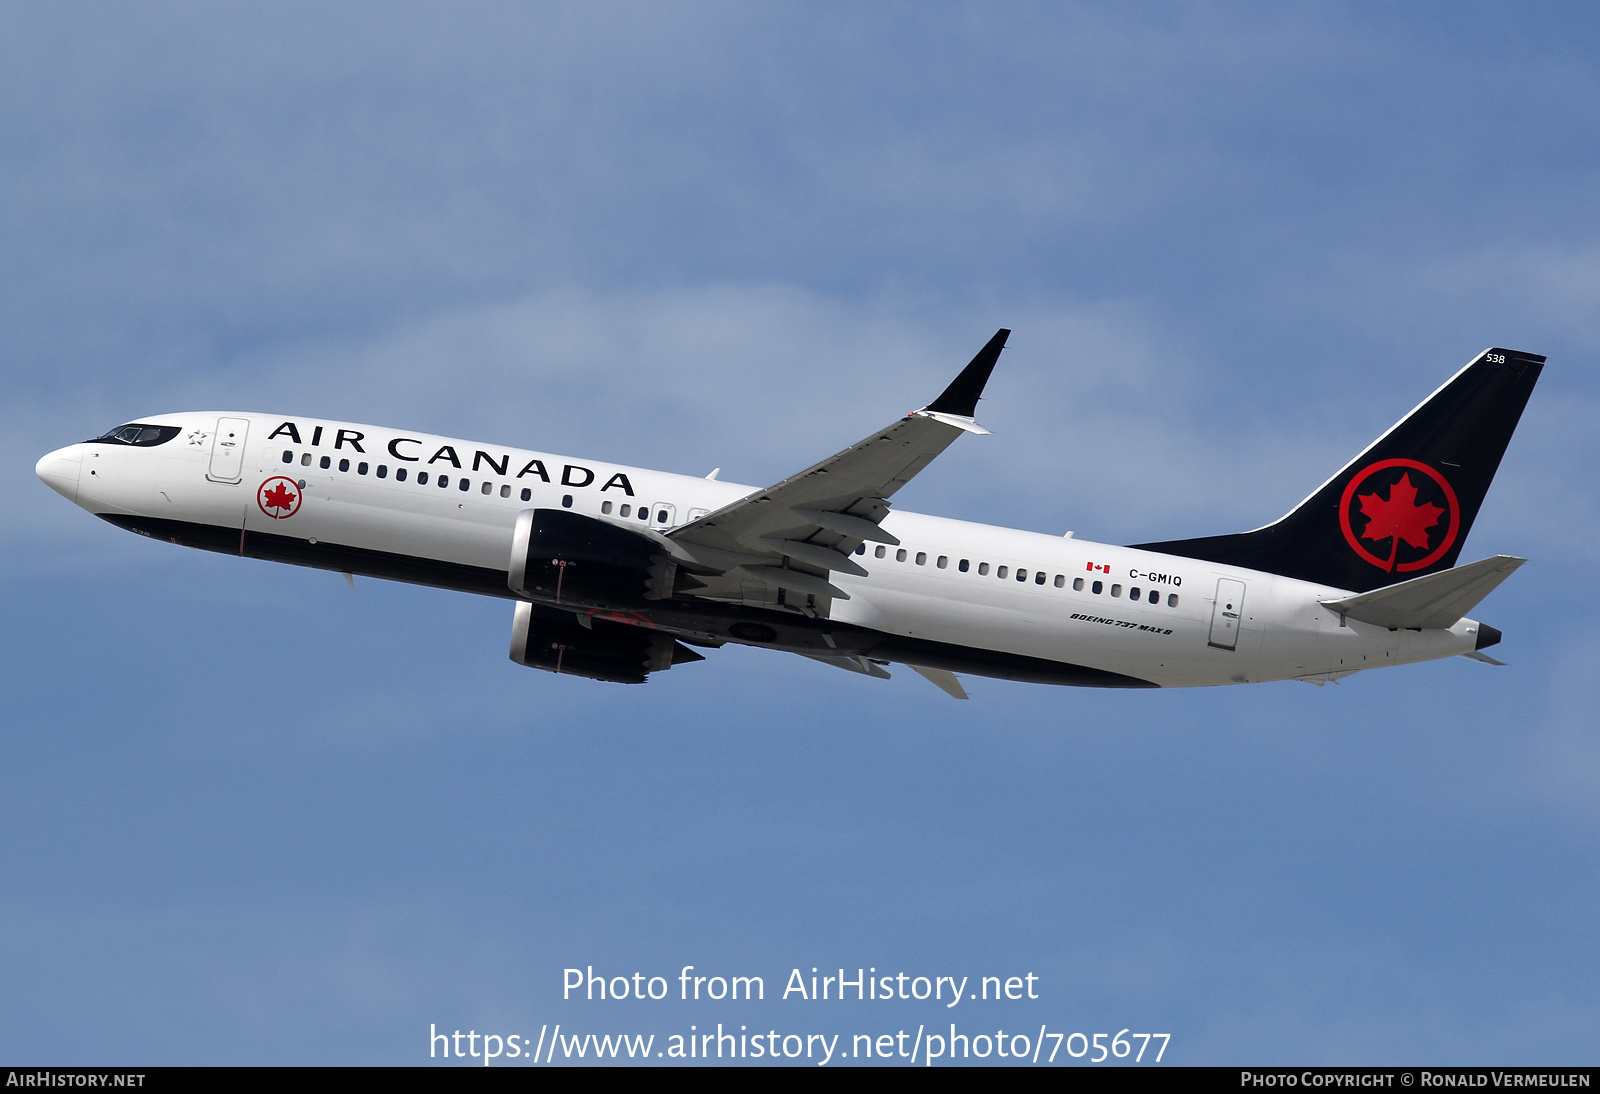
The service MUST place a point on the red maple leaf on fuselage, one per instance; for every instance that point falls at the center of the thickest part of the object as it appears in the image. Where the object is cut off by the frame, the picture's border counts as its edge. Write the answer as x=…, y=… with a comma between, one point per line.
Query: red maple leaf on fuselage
x=1399, y=517
x=279, y=497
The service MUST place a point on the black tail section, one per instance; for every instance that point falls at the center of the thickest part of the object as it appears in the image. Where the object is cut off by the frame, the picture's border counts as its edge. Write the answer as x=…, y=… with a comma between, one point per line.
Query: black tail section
x=1403, y=507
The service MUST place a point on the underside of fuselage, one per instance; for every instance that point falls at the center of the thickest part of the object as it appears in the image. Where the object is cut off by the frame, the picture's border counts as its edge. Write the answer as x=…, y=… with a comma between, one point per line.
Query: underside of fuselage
x=698, y=622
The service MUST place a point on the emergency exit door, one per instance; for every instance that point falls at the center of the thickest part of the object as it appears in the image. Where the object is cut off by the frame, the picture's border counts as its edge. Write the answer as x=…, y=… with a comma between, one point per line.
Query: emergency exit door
x=1226, y=614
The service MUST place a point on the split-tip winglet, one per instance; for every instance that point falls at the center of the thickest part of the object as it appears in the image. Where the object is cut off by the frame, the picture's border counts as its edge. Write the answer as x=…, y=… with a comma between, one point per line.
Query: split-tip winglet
x=960, y=399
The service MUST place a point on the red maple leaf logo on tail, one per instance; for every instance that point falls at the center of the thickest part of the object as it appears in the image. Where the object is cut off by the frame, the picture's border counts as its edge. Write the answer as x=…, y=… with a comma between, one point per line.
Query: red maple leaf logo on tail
x=1398, y=517
x=279, y=498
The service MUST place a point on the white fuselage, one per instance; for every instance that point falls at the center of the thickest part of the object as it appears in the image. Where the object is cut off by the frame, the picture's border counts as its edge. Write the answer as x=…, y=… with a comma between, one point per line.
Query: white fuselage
x=949, y=581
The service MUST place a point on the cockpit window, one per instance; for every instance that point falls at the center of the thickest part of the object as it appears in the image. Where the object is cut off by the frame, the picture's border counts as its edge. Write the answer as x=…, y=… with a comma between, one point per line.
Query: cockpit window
x=145, y=436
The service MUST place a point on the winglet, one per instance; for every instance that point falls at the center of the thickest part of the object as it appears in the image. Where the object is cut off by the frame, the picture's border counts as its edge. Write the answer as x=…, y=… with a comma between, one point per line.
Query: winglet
x=961, y=397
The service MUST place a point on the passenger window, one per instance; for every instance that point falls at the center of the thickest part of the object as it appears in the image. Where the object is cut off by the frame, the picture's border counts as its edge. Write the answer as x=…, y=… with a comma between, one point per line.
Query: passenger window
x=1061, y=581
x=466, y=484
x=488, y=488
x=900, y=555
x=327, y=461
x=383, y=471
x=662, y=516
x=1097, y=588
x=605, y=507
x=444, y=481
x=1002, y=571
x=1133, y=593
x=643, y=514
x=1022, y=575
x=1038, y=578
x=963, y=565
x=566, y=501
x=361, y=469
x=422, y=478
x=880, y=552
x=861, y=550
x=922, y=558
x=505, y=490
x=625, y=511
x=944, y=561
x=983, y=569
x=1155, y=597
x=305, y=460
x=344, y=465
x=527, y=495
x=400, y=474
x=1172, y=600
x=1116, y=590
x=288, y=457
x=1077, y=584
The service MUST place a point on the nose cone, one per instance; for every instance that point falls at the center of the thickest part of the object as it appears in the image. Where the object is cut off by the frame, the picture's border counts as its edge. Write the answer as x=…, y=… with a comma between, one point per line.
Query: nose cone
x=60, y=469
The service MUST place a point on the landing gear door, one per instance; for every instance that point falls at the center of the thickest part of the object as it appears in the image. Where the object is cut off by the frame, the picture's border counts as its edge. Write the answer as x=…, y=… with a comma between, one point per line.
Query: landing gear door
x=1226, y=614
x=227, y=450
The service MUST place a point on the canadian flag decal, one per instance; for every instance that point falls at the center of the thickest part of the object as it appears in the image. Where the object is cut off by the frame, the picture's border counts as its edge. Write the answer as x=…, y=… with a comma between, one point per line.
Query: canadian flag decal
x=1099, y=568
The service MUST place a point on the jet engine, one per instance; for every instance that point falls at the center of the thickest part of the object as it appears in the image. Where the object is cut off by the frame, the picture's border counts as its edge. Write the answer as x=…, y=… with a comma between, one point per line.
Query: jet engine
x=567, y=558
x=554, y=640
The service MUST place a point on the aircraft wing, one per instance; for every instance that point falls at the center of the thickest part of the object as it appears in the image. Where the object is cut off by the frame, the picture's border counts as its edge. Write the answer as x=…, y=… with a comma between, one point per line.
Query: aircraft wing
x=794, y=534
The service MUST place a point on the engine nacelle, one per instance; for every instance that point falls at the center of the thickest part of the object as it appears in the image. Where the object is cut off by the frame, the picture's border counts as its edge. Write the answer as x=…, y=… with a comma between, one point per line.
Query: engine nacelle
x=553, y=640
x=567, y=558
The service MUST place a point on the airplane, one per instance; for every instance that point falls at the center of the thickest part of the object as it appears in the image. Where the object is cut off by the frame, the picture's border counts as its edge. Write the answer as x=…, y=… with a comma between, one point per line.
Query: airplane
x=618, y=572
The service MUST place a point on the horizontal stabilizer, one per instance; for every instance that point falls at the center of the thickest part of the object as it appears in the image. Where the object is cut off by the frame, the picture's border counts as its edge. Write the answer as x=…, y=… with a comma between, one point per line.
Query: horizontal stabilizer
x=1436, y=600
x=1479, y=655
x=944, y=680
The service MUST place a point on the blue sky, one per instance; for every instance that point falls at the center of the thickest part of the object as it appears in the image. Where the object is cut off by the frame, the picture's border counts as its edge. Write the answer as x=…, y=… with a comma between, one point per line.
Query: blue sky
x=253, y=816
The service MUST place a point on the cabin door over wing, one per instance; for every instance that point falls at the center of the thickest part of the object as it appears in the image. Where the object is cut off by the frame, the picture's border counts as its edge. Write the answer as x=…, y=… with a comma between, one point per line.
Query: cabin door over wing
x=663, y=515
x=227, y=450
x=1226, y=614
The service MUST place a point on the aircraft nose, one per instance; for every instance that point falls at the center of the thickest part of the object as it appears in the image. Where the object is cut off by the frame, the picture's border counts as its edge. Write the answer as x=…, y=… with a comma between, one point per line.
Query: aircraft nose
x=60, y=470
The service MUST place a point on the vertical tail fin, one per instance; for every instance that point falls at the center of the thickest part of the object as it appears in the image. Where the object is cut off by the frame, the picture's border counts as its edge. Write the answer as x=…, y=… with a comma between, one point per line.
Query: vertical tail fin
x=1404, y=506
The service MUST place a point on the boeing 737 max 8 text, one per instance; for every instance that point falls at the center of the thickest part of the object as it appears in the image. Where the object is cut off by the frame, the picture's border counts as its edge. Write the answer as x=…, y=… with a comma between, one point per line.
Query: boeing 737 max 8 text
x=616, y=572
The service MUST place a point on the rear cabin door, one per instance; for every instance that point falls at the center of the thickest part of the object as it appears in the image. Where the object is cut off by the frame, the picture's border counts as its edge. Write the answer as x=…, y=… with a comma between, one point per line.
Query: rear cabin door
x=1226, y=613
x=227, y=450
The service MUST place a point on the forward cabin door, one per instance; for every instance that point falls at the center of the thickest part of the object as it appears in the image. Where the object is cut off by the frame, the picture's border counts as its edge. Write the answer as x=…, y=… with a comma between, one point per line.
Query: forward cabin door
x=227, y=450
x=1226, y=613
